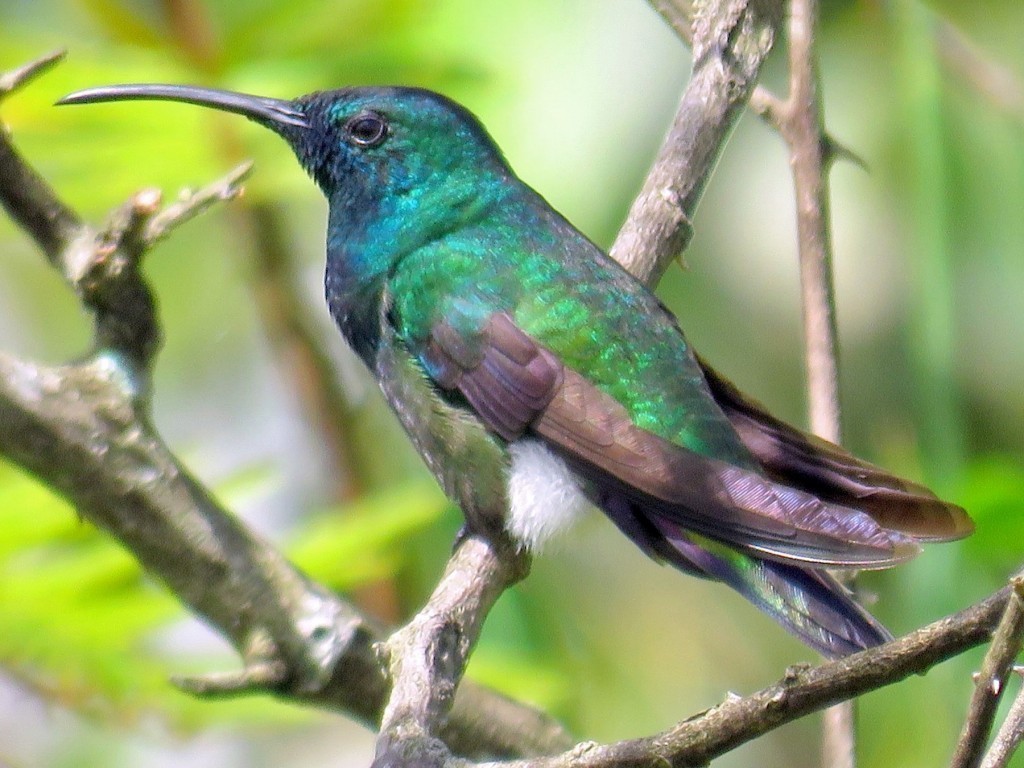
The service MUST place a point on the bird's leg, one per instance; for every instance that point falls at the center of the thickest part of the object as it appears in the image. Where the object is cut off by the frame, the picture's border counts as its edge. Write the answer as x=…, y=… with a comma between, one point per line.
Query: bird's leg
x=426, y=657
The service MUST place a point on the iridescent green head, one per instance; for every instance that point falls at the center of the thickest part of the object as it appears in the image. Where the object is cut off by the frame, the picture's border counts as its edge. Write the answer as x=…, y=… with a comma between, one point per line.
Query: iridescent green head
x=352, y=140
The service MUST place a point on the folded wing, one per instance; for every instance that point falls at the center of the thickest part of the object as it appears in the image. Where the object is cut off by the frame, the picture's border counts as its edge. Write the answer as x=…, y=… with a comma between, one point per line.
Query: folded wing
x=803, y=461
x=517, y=387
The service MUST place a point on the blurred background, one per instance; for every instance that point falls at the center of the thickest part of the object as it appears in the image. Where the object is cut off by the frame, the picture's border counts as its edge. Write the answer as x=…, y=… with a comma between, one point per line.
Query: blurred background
x=930, y=277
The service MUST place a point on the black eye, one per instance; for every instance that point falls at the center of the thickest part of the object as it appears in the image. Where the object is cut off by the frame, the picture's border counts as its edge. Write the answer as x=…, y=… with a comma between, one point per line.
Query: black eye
x=368, y=130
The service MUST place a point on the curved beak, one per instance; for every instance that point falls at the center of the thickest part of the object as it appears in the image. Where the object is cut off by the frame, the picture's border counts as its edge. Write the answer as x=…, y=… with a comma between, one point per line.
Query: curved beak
x=276, y=114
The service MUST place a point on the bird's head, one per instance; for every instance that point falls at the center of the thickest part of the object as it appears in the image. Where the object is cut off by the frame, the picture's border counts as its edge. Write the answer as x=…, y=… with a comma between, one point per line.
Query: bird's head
x=360, y=143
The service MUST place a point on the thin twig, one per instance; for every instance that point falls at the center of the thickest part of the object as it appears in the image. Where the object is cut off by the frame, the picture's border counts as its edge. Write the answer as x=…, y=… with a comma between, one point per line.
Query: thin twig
x=678, y=14
x=991, y=681
x=1009, y=736
x=18, y=78
x=253, y=678
x=802, y=128
x=192, y=204
x=24, y=195
x=799, y=120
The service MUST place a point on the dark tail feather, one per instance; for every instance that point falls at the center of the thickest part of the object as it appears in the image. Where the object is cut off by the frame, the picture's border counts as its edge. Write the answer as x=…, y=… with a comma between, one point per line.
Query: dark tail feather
x=802, y=461
x=811, y=604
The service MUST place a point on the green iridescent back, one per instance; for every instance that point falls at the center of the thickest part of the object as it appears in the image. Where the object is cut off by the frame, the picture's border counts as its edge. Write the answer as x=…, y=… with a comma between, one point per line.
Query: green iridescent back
x=517, y=256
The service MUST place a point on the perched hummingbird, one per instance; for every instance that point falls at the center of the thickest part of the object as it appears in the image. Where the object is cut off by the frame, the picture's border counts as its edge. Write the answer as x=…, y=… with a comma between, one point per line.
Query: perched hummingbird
x=536, y=377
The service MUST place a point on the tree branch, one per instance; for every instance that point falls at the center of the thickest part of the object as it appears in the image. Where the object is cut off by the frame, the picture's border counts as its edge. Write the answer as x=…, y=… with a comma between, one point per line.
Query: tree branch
x=700, y=739
x=427, y=656
x=799, y=121
x=1009, y=736
x=991, y=681
x=190, y=205
x=23, y=194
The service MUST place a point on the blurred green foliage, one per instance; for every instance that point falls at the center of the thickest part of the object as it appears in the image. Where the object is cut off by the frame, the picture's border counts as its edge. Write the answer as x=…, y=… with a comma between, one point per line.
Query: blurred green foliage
x=930, y=280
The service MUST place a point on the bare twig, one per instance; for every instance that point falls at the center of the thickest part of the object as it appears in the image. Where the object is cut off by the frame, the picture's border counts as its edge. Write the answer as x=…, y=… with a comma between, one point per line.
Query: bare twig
x=678, y=14
x=809, y=145
x=806, y=138
x=24, y=195
x=991, y=682
x=253, y=678
x=839, y=736
x=192, y=204
x=799, y=120
x=1009, y=736
x=20, y=77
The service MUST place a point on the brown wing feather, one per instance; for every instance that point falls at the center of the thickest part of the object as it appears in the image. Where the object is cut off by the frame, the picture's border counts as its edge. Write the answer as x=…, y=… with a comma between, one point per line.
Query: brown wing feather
x=505, y=375
x=804, y=461
x=724, y=502
x=516, y=385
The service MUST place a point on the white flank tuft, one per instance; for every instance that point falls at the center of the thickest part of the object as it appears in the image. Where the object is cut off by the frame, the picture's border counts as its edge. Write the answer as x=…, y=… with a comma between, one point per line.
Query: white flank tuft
x=544, y=497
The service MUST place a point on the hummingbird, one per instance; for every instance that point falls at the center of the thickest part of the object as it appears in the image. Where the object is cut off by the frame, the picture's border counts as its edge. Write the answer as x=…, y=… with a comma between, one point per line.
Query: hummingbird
x=537, y=378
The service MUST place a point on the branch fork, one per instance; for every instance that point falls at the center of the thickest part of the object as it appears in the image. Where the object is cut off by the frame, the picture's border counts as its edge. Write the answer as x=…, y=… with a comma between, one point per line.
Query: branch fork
x=426, y=658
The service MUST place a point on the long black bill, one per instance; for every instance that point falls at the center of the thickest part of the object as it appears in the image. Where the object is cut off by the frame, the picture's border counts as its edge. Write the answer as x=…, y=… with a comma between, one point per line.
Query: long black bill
x=276, y=114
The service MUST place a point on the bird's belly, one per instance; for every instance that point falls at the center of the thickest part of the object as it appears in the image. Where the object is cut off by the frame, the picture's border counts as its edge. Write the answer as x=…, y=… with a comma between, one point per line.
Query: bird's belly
x=544, y=497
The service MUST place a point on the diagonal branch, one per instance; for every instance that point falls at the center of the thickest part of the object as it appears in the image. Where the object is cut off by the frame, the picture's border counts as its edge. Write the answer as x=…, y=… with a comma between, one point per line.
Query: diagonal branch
x=24, y=195
x=1009, y=736
x=428, y=655
x=988, y=688
x=737, y=720
x=193, y=204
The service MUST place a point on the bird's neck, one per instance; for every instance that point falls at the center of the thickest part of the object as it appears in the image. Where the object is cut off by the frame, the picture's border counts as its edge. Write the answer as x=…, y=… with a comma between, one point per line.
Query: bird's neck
x=368, y=237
